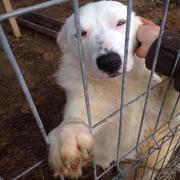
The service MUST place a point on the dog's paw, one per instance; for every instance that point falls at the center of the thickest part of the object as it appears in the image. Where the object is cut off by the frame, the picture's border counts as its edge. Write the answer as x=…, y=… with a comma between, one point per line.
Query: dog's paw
x=71, y=147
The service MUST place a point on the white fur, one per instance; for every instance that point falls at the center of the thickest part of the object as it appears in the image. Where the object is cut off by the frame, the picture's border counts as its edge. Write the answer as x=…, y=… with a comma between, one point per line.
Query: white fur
x=71, y=142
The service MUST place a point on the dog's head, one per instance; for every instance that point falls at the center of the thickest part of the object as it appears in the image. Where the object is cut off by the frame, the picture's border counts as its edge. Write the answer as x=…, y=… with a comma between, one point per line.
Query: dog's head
x=103, y=26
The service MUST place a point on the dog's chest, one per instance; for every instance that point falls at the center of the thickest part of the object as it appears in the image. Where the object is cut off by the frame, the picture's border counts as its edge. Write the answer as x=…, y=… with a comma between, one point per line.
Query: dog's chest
x=104, y=99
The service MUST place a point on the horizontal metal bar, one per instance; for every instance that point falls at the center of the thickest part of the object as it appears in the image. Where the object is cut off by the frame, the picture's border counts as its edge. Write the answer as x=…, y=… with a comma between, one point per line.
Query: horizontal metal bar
x=106, y=171
x=150, y=151
x=147, y=154
x=162, y=158
x=150, y=136
x=30, y=9
x=105, y=120
x=28, y=170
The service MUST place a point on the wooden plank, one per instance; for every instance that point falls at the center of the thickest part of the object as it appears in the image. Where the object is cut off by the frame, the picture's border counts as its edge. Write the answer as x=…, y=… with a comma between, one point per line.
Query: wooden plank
x=13, y=23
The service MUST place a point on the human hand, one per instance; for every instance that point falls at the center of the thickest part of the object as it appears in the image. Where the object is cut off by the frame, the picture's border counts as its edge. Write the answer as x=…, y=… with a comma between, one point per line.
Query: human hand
x=146, y=35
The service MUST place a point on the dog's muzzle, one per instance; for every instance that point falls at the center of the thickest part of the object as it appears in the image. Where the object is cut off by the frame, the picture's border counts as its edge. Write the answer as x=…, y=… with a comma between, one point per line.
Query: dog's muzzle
x=109, y=63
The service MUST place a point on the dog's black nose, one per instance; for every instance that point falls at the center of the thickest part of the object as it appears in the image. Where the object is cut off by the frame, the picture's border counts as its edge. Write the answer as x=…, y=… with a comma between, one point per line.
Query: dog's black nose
x=109, y=63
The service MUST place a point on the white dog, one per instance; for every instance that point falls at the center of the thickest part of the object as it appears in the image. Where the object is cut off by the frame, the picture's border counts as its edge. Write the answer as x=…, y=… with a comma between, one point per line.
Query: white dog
x=103, y=26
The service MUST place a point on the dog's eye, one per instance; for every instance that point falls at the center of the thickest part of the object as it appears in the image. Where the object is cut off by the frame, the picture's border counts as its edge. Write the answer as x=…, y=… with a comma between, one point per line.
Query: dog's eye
x=83, y=33
x=120, y=22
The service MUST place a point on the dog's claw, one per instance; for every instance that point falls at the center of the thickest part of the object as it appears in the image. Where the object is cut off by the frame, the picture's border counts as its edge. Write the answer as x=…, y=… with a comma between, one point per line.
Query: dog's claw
x=75, y=163
x=70, y=149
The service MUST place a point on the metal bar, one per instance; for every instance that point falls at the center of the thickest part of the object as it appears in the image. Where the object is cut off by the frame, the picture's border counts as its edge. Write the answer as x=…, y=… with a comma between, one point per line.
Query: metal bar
x=168, y=174
x=144, y=168
x=128, y=171
x=151, y=150
x=136, y=163
x=167, y=154
x=151, y=136
x=120, y=173
x=30, y=9
x=123, y=88
x=167, y=89
x=106, y=171
x=142, y=142
x=174, y=108
x=130, y=102
x=162, y=175
x=178, y=114
x=171, y=164
x=172, y=149
x=12, y=60
x=154, y=149
x=28, y=170
x=159, y=150
x=83, y=75
x=153, y=67
x=141, y=159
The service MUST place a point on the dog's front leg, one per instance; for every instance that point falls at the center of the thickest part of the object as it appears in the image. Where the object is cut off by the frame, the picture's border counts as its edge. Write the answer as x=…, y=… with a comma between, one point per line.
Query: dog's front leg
x=71, y=143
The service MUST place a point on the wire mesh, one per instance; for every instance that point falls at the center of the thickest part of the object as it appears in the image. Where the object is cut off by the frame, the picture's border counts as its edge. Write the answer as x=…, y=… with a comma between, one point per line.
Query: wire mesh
x=164, y=172
x=153, y=66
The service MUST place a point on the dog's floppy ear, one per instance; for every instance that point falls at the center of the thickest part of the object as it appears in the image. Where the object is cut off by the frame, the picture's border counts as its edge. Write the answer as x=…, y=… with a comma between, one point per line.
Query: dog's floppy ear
x=62, y=39
x=136, y=23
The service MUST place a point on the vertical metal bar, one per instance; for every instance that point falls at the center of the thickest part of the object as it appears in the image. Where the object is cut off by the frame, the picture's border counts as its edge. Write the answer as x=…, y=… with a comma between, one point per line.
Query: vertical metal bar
x=81, y=54
x=167, y=89
x=12, y=60
x=167, y=153
x=84, y=80
x=159, y=150
x=144, y=168
x=129, y=9
x=153, y=67
x=172, y=113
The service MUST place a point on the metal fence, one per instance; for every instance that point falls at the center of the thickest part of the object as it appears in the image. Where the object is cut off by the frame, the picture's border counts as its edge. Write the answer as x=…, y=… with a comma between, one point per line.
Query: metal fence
x=122, y=173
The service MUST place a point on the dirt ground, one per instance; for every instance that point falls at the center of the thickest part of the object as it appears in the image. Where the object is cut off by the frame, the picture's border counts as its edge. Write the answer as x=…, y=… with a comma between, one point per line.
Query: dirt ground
x=21, y=144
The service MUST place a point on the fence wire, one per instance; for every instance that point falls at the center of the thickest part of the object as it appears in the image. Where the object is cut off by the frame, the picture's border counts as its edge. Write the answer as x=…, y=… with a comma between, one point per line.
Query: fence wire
x=171, y=167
